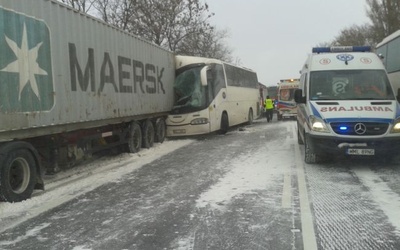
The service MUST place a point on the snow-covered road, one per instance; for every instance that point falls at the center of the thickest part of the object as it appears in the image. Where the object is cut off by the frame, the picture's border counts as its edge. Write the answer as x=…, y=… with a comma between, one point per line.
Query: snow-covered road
x=248, y=189
x=69, y=184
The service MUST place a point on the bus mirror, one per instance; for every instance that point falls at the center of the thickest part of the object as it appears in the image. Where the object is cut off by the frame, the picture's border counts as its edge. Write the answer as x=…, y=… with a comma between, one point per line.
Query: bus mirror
x=298, y=96
x=204, y=75
x=398, y=95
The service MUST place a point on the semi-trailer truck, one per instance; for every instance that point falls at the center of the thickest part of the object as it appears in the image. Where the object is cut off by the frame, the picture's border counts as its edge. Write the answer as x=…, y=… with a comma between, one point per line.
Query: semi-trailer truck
x=70, y=86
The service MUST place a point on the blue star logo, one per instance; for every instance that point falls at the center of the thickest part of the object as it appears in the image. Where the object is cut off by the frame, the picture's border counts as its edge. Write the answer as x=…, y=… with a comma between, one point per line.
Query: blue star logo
x=26, y=75
x=345, y=57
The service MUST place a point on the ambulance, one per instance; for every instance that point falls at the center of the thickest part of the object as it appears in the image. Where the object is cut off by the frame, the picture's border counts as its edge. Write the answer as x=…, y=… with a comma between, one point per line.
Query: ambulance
x=286, y=106
x=346, y=105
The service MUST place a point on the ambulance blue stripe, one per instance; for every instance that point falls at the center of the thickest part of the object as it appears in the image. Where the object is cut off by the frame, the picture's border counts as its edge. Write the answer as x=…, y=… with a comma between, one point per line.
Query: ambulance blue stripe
x=315, y=111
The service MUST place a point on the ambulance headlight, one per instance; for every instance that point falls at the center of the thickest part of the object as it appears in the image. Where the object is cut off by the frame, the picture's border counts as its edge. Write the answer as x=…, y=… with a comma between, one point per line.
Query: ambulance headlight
x=396, y=126
x=318, y=125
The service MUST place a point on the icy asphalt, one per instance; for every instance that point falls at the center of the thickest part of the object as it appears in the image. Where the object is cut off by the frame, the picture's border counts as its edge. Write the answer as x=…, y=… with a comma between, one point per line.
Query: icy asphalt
x=248, y=189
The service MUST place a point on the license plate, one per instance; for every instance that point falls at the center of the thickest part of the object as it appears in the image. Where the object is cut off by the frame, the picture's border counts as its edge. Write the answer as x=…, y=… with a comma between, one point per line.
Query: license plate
x=179, y=131
x=360, y=151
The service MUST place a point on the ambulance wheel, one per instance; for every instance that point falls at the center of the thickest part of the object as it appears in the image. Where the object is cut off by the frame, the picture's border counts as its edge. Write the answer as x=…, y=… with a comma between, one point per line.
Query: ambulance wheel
x=148, y=134
x=160, y=131
x=224, y=124
x=310, y=156
x=250, y=117
x=299, y=139
x=17, y=174
x=134, y=138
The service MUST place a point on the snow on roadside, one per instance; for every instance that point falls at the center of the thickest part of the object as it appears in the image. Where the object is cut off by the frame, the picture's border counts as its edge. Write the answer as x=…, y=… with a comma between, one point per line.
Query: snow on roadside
x=80, y=180
x=388, y=200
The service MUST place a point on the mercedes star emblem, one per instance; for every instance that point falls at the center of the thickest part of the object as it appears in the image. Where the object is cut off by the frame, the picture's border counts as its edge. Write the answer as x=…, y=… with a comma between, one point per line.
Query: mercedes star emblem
x=360, y=128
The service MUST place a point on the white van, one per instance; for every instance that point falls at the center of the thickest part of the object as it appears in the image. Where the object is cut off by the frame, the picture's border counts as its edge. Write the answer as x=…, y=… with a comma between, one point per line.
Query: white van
x=346, y=105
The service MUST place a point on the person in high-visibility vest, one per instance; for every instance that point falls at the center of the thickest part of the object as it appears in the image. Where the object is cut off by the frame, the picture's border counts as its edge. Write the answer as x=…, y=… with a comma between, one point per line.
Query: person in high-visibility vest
x=269, y=108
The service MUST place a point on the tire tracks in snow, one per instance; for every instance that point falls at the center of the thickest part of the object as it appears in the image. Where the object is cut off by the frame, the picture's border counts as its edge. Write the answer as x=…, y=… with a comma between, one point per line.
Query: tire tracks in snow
x=381, y=193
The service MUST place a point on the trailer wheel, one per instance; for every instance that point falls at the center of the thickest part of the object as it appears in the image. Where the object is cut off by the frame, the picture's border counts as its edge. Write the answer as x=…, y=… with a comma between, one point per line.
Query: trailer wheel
x=224, y=124
x=160, y=131
x=148, y=134
x=17, y=174
x=134, y=138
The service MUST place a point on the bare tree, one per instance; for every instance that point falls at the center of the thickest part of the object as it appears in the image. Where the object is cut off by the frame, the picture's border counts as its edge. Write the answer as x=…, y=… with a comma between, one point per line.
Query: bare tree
x=169, y=22
x=385, y=19
x=80, y=5
x=116, y=12
x=181, y=26
x=210, y=44
x=355, y=36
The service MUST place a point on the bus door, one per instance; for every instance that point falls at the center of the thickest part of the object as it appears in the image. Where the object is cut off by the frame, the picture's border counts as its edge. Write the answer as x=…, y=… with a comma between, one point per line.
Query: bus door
x=217, y=95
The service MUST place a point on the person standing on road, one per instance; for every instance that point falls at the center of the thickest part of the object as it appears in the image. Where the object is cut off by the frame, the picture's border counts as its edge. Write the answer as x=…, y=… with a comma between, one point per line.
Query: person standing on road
x=269, y=108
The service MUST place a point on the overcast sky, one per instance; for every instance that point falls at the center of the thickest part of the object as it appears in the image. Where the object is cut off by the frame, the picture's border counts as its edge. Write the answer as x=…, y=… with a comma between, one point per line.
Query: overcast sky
x=273, y=37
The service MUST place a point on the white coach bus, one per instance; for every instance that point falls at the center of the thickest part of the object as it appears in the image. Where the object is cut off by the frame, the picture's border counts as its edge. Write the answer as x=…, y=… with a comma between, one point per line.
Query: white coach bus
x=211, y=95
x=389, y=51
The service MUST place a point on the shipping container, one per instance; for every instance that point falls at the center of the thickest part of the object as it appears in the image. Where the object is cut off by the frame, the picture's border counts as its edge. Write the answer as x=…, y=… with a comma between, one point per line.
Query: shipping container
x=71, y=85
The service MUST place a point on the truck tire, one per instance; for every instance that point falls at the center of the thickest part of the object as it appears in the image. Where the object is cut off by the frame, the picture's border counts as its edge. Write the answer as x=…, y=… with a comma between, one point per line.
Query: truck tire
x=224, y=124
x=17, y=174
x=148, y=134
x=160, y=131
x=310, y=156
x=134, y=138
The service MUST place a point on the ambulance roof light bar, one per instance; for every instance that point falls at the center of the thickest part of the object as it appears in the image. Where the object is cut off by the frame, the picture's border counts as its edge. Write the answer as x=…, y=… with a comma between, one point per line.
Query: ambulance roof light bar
x=341, y=49
x=289, y=80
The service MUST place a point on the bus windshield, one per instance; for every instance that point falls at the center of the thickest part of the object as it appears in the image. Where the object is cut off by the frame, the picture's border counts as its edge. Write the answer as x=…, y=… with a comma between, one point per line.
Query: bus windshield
x=350, y=85
x=188, y=91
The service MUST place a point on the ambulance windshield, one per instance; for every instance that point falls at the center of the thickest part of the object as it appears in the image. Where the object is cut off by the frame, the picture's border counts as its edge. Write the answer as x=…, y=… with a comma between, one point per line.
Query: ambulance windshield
x=350, y=85
x=287, y=94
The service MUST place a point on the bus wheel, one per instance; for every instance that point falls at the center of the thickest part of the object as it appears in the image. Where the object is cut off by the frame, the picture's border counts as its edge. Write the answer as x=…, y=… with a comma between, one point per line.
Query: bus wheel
x=224, y=123
x=134, y=138
x=160, y=131
x=17, y=174
x=148, y=134
x=250, y=117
